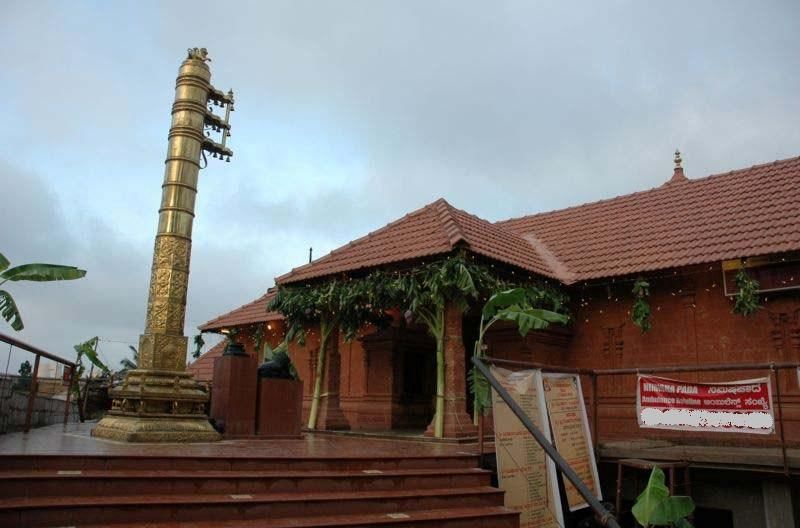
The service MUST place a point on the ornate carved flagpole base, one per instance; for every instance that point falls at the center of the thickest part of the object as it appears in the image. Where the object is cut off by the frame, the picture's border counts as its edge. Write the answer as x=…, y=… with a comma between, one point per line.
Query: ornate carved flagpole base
x=157, y=406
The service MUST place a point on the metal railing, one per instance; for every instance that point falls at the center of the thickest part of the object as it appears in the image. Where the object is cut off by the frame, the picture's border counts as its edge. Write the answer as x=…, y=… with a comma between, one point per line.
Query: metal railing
x=39, y=353
x=604, y=516
x=594, y=374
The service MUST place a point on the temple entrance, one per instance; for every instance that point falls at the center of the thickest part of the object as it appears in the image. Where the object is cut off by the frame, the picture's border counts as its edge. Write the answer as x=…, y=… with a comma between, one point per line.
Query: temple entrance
x=400, y=380
x=417, y=383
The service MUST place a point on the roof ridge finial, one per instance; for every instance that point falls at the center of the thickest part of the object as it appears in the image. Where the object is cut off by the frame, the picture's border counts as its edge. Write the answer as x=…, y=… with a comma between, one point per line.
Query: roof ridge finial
x=677, y=173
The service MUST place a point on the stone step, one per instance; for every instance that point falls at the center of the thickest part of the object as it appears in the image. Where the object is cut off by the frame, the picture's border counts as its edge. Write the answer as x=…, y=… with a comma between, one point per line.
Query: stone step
x=482, y=517
x=76, y=483
x=107, y=509
x=227, y=463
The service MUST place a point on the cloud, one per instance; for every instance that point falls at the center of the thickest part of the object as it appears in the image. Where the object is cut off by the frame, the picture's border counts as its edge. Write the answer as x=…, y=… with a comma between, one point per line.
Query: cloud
x=351, y=114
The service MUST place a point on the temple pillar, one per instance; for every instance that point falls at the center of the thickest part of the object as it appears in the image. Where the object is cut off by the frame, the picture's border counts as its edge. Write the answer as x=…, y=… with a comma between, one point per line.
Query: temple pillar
x=330, y=411
x=457, y=423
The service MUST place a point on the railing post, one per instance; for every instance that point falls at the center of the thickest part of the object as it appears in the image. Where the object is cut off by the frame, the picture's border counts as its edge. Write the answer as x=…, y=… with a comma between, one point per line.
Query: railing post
x=69, y=395
x=780, y=419
x=32, y=394
x=605, y=517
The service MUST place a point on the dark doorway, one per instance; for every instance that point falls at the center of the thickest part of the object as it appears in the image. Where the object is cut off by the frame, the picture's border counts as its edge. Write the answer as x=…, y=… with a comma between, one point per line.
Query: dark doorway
x=416, y=378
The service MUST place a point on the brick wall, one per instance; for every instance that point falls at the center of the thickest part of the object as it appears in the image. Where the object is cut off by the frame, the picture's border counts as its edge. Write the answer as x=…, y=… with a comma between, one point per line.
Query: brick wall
x=692, y=325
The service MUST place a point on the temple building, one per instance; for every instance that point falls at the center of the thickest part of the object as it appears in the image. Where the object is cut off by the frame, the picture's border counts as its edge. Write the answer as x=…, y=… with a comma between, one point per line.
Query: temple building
x=685, y=237
x=688, y=238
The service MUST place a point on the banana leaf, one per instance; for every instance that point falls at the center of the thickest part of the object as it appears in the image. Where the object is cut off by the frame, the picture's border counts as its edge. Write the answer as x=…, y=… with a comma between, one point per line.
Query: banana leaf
x=4, y=263
x=88, y=349
x=528, y=319
x=42, y=272
x=503, y=299
x=9, y=311
x=655, y=507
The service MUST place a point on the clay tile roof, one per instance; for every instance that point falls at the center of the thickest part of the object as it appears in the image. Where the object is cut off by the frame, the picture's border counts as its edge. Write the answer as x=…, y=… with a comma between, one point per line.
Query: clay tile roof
x=252, y=312
x=742, y=213
x=203, y=367
x=436, y=229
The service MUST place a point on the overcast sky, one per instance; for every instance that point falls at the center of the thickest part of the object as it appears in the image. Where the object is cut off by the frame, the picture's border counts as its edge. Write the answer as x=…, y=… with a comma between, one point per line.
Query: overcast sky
x=349, y=115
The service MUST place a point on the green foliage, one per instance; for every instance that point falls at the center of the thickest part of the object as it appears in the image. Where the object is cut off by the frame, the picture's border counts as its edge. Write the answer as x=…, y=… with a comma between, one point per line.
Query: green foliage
x=25, y=369
x=29, y=272
x=198, y=345
x=423, y=292
x=42, y=273
x=231, y=335
x=9, y=311
x=344, y=303
x=746, y=301
x=655, y=507
x=337, y=304
x=25, y=375
x=641, y=314
x=130, y=364
x=258, y=341
x=427, y=290
x=522, y=307
x=88, y=349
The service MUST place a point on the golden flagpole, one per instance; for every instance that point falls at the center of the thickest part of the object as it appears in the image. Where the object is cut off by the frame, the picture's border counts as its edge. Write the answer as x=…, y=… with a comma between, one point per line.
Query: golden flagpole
x=159, y=401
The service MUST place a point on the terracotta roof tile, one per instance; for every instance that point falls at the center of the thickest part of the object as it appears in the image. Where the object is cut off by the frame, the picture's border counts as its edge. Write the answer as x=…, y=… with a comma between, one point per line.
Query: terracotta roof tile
x=252, y=312
x=741, y=213
x=436, y=229
x=203, y=367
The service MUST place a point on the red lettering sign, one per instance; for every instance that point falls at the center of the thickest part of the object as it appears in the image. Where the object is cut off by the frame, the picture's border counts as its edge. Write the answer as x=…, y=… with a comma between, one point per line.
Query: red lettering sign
x=736, y=406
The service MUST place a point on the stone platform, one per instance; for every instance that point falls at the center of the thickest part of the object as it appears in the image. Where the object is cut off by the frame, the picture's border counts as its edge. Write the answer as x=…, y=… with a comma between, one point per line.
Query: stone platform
x=65, y=477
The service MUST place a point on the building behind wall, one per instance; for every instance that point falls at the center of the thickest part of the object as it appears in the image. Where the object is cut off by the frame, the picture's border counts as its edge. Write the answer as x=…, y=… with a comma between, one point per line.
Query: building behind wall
x=686, y=238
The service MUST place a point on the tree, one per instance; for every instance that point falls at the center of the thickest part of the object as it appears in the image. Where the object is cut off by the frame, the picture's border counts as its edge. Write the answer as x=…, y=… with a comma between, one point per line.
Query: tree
x=29, y=272
x=337, y=304
x=424, y=291
x=427, y=290
x=25, y=375
x=88, y=349
x=523, y=307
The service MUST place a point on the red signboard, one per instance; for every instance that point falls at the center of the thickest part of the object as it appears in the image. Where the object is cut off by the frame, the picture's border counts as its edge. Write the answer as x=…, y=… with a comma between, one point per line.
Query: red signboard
x=736, y=406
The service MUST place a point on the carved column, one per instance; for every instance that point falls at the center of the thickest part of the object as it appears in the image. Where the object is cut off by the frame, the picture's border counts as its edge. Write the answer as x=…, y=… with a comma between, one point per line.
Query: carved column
x=457, y=423
x=160, y=401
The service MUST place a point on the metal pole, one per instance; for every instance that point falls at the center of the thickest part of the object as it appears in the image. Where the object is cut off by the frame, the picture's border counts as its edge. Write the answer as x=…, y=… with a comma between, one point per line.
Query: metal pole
x=86, y=390
x=32, y=394
x=481, y=432
x=696, y=368
x=543, y=367
x=69, y=395
x=606, y=518
x=780, y=420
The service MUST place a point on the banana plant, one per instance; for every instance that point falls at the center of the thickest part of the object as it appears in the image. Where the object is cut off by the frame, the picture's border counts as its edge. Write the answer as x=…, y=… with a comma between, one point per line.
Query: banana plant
x=130, y=363
x=88, y=349
x=655, y=507
x=519, y=306
x=29, y=272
